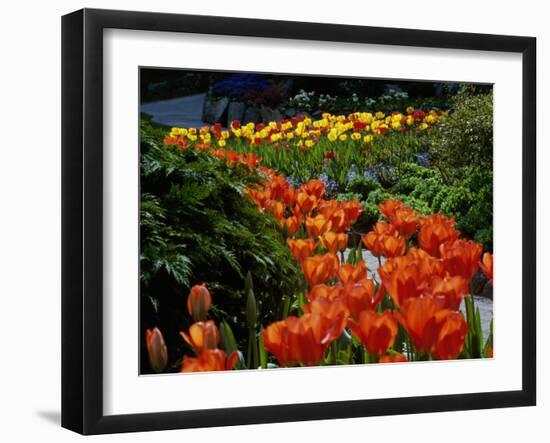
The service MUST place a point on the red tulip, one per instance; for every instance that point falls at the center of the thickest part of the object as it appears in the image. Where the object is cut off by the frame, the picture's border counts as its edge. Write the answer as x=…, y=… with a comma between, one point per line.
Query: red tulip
x=360, y=296
x=314, y=187
x=434, y=231
x=323, y=291
x=452, y=331
x=202, y=336
x=461, y=257
x=301, y=249
x=352, y=273
x=304, y=340
x=156, y=348
x=450, y=289
x=334, y=242
x=405, y=221
x=210, y=360
x=317, y=226
x=418, y=317
x=291, y=224
x=408, y=276
x=198, y=302
x=399, y=358
x=320, y=268
x=377, y=331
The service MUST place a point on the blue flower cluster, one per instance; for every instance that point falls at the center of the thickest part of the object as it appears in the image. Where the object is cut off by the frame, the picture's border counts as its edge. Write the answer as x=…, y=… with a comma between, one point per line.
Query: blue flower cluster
x=237, y=84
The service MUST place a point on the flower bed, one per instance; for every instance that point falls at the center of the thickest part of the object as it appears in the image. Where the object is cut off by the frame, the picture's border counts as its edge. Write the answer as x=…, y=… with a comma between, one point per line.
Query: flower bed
x=408, y=310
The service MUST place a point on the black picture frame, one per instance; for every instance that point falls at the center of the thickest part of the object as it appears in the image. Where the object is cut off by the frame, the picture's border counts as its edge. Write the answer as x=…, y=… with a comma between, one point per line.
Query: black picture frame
x=82, y=219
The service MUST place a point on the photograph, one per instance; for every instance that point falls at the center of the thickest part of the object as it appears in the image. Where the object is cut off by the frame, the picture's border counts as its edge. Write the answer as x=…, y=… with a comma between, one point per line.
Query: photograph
x=293, y=220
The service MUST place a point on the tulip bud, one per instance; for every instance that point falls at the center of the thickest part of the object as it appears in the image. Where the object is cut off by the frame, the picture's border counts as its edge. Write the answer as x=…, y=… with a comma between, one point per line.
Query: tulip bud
x=158, y=354
x=198, y=302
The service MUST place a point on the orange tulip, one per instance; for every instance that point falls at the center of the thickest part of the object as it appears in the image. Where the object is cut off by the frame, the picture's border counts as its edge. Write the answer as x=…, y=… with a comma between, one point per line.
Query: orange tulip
x=378, y=243
x=451, y=290
x=198, y=302
x=376, y=330
x=399, y=358
x=156, y=348
x=435, y=230
x=391, y=246
x=370, y=240
x=275, y=208
x=334, y=242
x=301, y=249
x=278, y=187
x=389, y=207
x=461, y=257
x=314, y=187
x=251, y=160
x=327, y=207
x=338, y=221
x=202, y=336
x=407, y=277
x=405, y=220
x=210, y=360
x=352, y=209
x=303, y=340
x=486, y=266
x=334, y=310
x=291, y=224
x=317, y=226
x=305, y=204
x=320, y=268
x=418, y=317
x=259, y=197
x=324, y=291
x=360, y=296
x=289, y=196
x=452, y=331
x=351, y=273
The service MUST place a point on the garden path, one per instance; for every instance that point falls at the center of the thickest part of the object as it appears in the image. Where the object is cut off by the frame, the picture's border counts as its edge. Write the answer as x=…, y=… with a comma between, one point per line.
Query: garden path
x=183, y=112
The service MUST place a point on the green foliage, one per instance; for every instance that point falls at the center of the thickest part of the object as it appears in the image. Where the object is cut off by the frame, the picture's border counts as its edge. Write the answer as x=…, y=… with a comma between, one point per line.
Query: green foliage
x=362, y=185
x=469, y=199
x=197, y=225
x=465, y=138
x=348, y=196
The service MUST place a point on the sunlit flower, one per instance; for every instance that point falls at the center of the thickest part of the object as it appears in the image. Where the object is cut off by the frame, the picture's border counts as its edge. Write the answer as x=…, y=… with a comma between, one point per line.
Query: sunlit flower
x=451, y=290
x=304, y=340
x=461, y=257
x=405, y=221
x=407, y=276
x=317, y=226
x=435, y=230
x=352, y=273
x=360, y=296
x=301, y=248
x=210, y=360
x=376, y=330
x=334, y=242
x=291, y=224
x=320, y=268
x=202, y=336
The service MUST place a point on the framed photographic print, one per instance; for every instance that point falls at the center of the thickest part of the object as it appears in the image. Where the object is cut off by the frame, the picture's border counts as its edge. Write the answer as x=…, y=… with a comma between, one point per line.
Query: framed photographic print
x=270, y=221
